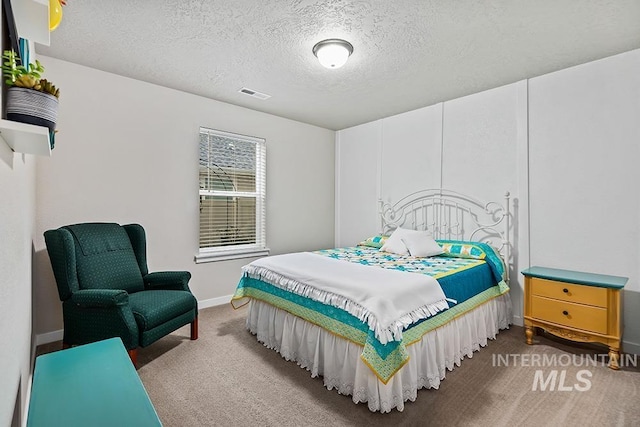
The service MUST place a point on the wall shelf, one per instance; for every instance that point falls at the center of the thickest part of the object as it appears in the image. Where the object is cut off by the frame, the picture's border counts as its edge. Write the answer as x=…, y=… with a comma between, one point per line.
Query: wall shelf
x=25, y=138
x=32, y=20
x=32, y=23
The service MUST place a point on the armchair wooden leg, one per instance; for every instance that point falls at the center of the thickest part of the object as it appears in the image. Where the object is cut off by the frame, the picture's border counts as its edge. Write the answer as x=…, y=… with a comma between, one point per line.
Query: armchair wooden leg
x=133, y=355
x=194, y=329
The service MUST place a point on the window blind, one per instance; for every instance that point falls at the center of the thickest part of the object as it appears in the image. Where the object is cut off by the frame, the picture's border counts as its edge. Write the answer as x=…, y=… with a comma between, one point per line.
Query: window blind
x=232, y=191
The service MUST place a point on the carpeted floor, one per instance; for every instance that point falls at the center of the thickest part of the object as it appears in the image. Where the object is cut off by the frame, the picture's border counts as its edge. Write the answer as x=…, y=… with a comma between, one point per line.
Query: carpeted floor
x=227, y=378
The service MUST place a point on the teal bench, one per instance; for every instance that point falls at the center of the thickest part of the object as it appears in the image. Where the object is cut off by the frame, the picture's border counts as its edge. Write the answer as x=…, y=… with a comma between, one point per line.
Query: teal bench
x=90, y=385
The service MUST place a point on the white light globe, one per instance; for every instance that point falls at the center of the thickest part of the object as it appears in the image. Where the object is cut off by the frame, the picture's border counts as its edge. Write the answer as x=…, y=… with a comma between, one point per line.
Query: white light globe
x=333, y=53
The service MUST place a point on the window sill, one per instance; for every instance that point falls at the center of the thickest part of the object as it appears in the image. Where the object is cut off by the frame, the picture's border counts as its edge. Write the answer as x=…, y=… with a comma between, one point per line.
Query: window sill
x=230, y=254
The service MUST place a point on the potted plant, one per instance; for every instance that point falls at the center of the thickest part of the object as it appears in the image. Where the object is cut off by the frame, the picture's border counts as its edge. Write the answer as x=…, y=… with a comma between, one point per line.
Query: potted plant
x=30, y=98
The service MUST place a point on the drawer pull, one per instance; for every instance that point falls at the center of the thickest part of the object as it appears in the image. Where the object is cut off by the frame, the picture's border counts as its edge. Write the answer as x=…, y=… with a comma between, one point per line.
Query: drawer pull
x=565, y=312
x=565, y=290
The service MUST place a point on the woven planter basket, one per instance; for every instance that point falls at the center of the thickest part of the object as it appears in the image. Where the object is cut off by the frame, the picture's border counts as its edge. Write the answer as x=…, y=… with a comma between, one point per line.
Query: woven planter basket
x=33, y=107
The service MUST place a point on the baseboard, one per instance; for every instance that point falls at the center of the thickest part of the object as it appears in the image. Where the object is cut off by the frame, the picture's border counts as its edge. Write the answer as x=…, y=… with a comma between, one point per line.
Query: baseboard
x=27, y=399
x=212, y=302
x=518, y=321
x=48, y=337
x=630, y=347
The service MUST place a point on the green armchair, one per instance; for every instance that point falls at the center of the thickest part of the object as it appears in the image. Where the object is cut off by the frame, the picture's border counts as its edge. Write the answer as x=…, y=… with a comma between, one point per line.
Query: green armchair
x=107, y=291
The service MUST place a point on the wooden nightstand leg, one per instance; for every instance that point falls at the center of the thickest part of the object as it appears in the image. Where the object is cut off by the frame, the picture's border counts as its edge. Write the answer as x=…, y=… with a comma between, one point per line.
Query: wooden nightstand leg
x=614, y=357
x=528, y=332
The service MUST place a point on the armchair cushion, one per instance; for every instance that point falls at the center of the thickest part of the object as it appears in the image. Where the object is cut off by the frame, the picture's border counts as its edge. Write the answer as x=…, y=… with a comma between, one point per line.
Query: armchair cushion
x=105, y=257
x=94, y=298
x=155, y=307
x=178, y=280
x=61, y=249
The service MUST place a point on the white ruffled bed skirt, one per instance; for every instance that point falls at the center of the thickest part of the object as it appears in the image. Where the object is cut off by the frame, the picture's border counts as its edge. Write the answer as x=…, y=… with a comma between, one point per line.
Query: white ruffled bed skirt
x=338, y=360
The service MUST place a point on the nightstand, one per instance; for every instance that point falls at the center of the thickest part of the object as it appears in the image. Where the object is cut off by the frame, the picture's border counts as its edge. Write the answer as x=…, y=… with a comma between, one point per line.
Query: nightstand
x=576, y=306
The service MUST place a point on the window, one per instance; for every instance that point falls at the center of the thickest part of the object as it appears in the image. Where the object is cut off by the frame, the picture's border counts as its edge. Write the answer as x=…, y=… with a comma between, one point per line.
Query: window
x=232, y=196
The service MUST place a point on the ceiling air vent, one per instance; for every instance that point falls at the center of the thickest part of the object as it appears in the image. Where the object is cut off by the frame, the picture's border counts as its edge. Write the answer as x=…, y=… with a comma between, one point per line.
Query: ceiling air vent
x=253, y=93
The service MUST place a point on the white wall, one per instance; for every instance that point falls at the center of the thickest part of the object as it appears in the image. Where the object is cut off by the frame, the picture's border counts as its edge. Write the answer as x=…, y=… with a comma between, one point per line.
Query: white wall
x=127, y=151
x=471, y=149
x=17, y=223
x=483, y=137
x=411, y=156
x=480, y=143
x=565, y=145
x=584, y=153
x=468, y=145
x=358, y=163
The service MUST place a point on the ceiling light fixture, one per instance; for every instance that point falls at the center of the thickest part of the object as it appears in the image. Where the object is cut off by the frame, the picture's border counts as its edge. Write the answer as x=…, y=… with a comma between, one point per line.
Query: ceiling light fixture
x=333, y=53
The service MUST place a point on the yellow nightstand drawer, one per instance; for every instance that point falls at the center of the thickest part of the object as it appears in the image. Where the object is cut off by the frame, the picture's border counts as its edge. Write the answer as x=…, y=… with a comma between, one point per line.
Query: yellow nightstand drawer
x=575, y=305
x=569, y=292
x=585, y=317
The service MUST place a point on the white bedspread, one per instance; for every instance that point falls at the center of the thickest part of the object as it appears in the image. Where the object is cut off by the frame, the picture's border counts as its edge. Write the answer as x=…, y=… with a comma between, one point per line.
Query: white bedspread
x=387, y=300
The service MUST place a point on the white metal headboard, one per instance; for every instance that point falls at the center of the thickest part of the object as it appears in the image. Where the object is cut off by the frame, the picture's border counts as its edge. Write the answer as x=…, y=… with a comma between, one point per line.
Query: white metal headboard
x=452, y=216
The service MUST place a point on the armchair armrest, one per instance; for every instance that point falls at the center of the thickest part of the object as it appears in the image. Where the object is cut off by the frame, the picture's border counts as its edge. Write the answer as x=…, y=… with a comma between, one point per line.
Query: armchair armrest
x=115, y=317
x=100, y=298
x=172, y=280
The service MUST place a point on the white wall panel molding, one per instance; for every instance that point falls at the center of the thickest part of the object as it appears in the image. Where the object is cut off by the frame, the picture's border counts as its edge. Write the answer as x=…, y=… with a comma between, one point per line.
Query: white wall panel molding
x=337, y=184
x=522, y=139
x=520, y=208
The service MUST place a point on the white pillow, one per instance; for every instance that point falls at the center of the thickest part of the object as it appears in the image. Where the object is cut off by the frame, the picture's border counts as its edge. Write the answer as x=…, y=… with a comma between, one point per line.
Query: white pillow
x=421, y=244
x=394, y=243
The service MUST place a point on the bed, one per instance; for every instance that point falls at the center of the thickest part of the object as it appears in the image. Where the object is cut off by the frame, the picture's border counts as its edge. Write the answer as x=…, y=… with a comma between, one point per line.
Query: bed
x=379, y=323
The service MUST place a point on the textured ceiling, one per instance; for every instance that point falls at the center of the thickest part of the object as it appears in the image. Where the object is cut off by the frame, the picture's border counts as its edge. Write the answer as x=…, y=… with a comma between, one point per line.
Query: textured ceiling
x=407, y=53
